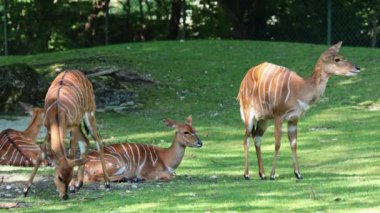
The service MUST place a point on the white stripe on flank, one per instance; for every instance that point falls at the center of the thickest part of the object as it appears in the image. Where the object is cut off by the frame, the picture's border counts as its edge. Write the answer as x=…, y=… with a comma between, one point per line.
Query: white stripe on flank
x=12, y=156
x=274, y=75
x=138, y=154
x=246, y=89
x=154, y=151
x=275, y=89
x=133, y=156
x=126, y=155
x=143, y=163
x=260, y=85
x=281, y=88
x=151, y=156
x=268, y=71
x=287, y=96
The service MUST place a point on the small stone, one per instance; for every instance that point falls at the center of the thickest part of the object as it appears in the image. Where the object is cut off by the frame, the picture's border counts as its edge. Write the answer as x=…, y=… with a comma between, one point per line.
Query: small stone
x=128, y=103
x=8, y=187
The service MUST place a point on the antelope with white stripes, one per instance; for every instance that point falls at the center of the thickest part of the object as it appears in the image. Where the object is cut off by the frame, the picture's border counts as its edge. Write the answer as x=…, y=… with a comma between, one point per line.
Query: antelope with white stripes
x=269, y=91
x=70, y=99
x=19, y=148
x=141, y=161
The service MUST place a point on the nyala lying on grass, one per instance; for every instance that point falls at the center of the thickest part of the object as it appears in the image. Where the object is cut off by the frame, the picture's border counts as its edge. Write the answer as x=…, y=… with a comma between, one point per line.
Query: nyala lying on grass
x=138, y=162
x=19, y=148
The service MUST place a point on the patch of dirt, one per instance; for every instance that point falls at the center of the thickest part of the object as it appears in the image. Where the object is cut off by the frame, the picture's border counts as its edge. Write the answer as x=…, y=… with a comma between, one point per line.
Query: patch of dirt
x=12, y=185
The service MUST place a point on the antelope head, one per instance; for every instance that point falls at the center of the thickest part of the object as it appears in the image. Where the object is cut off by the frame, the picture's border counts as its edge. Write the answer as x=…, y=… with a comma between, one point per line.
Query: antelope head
x=335, y=64
x=63, y=174
x=37, y=114
x=185, y=133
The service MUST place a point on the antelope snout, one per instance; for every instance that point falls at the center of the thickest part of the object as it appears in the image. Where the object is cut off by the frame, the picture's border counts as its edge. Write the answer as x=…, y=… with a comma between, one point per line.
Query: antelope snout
x=355, y=70
x=198, y=144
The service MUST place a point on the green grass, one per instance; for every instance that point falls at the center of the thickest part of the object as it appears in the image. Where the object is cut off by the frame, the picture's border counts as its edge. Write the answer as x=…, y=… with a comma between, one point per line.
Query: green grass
x=338, y=143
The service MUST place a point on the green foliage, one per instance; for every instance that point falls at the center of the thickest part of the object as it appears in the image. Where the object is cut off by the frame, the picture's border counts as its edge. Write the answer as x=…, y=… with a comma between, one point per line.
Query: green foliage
x=337, y=147
x=50, y=25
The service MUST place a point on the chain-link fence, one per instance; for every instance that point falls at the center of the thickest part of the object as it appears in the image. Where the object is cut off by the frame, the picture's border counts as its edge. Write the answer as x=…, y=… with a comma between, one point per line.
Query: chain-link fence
x=32, y=26
x=354, y=22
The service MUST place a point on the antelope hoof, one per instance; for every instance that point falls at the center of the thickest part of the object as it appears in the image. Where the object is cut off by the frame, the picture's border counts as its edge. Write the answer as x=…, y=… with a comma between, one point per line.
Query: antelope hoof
x=72, y=190
x=108, y=186
x=298, y=175
x=122, y=180
x=65, y=197
x=137, y=180
x=272, y=177
x=246, y=177
x=25, y=191
x=262, y=177
x=78, y=186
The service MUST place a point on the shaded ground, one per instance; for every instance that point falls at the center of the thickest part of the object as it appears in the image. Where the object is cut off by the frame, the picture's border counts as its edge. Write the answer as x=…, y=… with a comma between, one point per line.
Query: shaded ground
x=12, y=184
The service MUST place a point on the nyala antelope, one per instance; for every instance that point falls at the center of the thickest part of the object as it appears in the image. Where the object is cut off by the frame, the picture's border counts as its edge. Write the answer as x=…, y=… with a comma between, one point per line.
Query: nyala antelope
x=19, y=148
x=269, y=91
x=138, y=162
x=69, y=99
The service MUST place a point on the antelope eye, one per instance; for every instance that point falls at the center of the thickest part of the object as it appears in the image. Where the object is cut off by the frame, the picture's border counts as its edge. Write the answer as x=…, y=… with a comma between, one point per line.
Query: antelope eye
x=60, y=178
x=336, y=59
x=186, y=133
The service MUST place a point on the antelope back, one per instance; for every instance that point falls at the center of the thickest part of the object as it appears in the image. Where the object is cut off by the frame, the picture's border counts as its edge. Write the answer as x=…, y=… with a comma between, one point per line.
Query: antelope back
x=19, y=148
x=69, y=97
x=265, y=89
x=72, y=93
x=16, y=150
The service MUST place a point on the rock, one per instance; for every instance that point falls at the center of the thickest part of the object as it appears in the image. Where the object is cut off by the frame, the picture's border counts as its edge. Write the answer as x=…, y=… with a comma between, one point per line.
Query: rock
x=8, y=205
x=20, y=82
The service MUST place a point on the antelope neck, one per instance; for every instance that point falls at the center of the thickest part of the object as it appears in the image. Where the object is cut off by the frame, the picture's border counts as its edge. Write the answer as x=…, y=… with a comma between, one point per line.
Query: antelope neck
x=173, y=155
x=314, y=86
x=32, y=130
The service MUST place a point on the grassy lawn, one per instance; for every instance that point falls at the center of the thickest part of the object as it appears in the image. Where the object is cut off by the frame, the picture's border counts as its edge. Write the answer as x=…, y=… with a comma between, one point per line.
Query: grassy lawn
x=338, y=142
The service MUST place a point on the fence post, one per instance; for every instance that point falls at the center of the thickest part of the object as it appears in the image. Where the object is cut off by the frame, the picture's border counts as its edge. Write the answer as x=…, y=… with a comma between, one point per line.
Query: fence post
x=106, y=21
x=183, y=36
x=328, y=22
x=5, y=20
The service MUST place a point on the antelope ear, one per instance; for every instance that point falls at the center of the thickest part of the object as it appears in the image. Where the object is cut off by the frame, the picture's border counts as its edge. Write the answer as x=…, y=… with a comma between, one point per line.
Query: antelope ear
x=26, y=107
x=169, y=122
x=189, y=120
x=336, y=47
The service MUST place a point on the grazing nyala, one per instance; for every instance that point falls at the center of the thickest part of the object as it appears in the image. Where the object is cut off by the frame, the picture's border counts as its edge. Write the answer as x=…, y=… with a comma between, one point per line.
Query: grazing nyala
x=269, y=91
x=132, y=161
x=69, y=99
x=19, y=148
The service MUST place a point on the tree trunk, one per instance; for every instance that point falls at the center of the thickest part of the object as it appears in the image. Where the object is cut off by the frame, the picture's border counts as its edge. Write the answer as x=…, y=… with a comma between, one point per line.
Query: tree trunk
x=245, y=15
x=375, y=28
x=174, y=19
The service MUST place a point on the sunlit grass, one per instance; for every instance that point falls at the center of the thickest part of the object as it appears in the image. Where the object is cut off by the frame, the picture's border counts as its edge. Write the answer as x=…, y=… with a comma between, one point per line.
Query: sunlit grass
x=338, y=139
